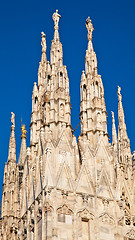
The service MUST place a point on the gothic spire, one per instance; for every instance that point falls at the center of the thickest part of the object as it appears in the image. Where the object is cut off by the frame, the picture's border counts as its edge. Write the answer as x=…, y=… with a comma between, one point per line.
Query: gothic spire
x=43, y=63
x=122, y=131
x=56, y=16
x=114, y=134
x=92, y=106
x=43, y=44
x=90, y=58
x=12, y=144
x=121, y=117
x=124, y=142
x=90, y=29
x=23, y=145
x=56, y=47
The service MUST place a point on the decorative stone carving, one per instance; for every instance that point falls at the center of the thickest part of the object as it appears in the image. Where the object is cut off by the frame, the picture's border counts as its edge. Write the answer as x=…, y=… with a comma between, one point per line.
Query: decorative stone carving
x=24, y=218
x=127, y=220
x=121, y=221
x=47, y=207
x=43, y=42
x=119, y=94
x=86, y=214
x=31, y=225
x=90, y=28
x=56, y=17
x=39, y=214
x=105, y=202
x=131, y=234
x=99, y=120
x=55, y=161
x=85, y=198
x=133, y=220
x=105, y=218
x=64, y=210
x=61, y=110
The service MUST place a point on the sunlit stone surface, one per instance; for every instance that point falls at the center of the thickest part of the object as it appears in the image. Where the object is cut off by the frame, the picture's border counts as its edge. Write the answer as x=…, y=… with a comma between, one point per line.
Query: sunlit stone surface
x=64, y=189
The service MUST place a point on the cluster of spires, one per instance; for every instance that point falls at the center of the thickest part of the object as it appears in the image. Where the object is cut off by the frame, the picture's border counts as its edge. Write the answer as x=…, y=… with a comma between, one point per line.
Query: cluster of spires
x=90, y=74
x=51, y=115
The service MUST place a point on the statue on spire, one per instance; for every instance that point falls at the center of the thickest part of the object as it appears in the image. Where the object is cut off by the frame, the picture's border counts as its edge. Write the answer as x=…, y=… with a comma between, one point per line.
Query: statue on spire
x=43, y=42
x=112, y=116
x=13, y=119
x=90, y=28
x=56, y=16
x=119, y=94
x=23, y=130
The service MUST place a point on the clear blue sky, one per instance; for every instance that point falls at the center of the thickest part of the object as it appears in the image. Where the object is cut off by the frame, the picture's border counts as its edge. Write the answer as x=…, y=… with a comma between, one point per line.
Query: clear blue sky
x=21, y=23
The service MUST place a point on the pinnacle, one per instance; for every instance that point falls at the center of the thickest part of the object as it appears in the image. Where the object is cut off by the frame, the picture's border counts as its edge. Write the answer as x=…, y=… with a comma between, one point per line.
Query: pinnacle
x=56, y=16
x=12, y=145
x=114, y=134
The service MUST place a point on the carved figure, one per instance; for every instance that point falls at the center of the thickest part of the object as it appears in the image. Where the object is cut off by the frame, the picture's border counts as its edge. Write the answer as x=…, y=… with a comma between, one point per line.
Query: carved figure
x=13, y=119
x=43, y=42
x=62, y=110
x=112, y=115
x=119, y=94
x=56, y=17
x=23, y=131
x=99, y=120
x=90, y=28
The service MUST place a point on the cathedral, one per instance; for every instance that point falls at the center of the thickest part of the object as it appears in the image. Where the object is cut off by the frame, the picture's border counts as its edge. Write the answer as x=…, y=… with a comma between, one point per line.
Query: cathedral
x=63, y=188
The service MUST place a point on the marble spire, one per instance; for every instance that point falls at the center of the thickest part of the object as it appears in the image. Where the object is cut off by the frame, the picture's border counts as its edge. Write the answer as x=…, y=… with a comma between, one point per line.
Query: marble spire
x=56, y=16
x=12, y=143
x=56, y=47
x=23, y=145
x=43, y=44
x=123, y=140
x=114, y=134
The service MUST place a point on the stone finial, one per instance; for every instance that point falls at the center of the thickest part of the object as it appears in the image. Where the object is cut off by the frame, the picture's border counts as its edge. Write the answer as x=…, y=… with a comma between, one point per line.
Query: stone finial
x=56, y=16
x=35, y=89
x=90, y=28
x=43, y=41
x=83, y=76
x=23, y=130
